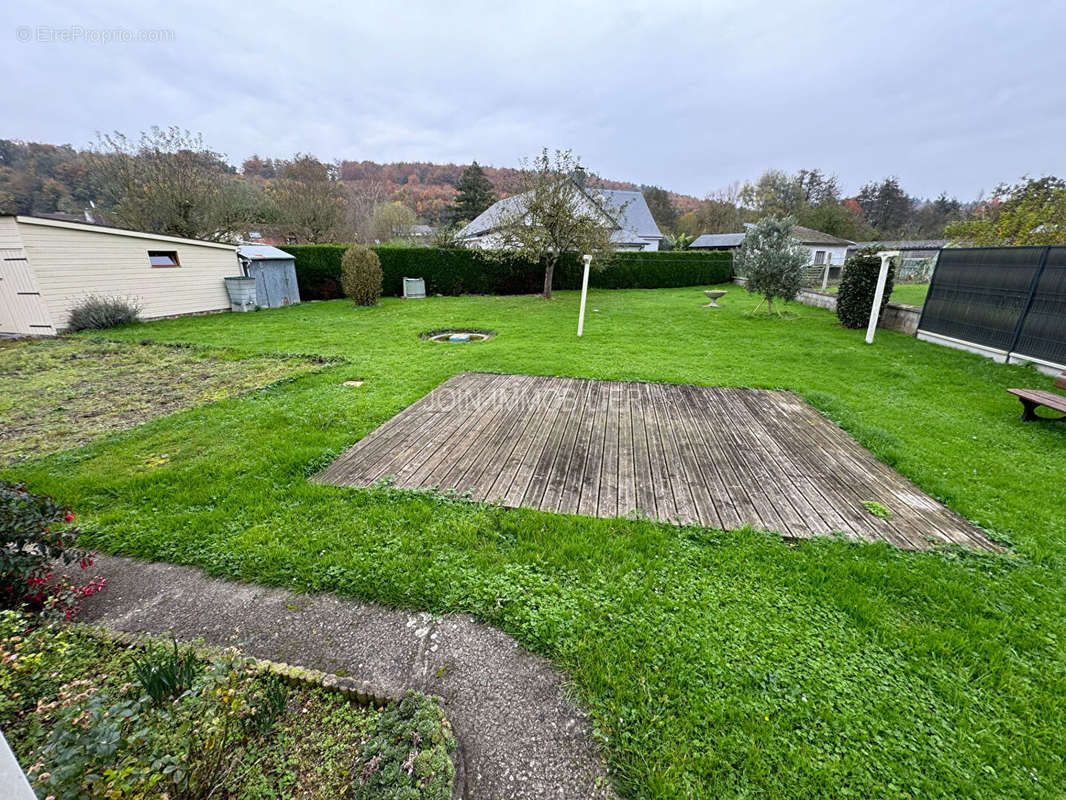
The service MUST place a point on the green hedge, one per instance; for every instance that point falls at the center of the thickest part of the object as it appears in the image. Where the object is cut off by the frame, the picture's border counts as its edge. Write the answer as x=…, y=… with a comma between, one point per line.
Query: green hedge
x=455, y=272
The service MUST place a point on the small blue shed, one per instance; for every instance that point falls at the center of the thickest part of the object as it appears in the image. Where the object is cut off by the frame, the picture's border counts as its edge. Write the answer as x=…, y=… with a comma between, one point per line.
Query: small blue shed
x=274, y=271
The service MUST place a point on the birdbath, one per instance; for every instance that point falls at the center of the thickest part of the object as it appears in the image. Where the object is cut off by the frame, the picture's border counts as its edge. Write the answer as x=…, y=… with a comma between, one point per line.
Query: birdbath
x=712, y=295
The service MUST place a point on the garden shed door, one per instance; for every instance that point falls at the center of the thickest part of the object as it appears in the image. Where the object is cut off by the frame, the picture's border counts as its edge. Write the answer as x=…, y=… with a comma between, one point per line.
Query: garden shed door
x=22, y=310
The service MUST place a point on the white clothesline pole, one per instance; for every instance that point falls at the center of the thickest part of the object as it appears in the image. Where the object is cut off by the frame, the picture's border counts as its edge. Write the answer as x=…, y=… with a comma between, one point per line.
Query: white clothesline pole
x=584, y=293
x=882, y=278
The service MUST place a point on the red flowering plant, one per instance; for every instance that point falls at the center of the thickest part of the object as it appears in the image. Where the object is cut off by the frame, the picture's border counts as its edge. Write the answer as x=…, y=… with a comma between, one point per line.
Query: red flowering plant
x=36, y=539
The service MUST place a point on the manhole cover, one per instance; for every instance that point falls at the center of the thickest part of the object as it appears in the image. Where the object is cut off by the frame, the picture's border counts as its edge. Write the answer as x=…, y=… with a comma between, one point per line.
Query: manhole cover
x=457, y=335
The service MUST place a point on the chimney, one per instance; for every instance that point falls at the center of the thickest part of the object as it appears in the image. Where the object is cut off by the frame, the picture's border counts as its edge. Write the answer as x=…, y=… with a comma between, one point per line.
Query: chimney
x=579, y=176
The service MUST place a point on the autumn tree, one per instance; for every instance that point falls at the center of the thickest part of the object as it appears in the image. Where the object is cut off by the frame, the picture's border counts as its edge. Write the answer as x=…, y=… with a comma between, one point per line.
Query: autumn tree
x=555, y=215
x=474, y=193
x=1031, y=212
x=772, y=260
x=392, y=221
x=720, y=212
x=310, y=200
x=169, y=182
x=661, y=206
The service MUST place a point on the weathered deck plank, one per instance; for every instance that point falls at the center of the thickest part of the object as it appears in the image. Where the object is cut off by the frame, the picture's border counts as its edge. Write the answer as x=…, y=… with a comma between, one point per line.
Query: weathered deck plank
x=690, y=454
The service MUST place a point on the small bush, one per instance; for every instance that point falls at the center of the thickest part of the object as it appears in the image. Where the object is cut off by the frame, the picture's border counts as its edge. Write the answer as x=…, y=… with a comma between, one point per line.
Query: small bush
x=407, y=755
x=361, y=275
x=858, y=285
x=94, y=313
x=31, y=545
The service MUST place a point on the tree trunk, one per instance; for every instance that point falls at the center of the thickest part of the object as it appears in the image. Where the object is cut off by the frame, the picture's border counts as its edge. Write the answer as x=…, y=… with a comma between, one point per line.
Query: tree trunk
x=769, y=305
x=549, y=270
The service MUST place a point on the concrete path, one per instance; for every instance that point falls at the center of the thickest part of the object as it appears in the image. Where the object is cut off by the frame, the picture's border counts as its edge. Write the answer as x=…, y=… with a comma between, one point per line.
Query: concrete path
x=519, y=734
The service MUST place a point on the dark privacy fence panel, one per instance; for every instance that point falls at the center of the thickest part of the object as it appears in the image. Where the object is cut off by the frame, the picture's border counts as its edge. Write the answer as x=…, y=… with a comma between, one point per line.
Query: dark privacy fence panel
x=1008, y=298
x=1043, y=330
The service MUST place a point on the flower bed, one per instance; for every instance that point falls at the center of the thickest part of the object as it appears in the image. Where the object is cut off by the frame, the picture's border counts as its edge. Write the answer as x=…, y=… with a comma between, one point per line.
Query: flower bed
x=93, y=717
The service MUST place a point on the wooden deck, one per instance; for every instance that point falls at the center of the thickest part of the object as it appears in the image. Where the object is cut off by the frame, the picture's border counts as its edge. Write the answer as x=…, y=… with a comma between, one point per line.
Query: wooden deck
x=686, y=454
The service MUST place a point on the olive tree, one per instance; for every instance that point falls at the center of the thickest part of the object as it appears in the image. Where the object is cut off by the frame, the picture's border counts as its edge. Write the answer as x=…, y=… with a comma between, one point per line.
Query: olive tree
x=772, y=260
x=555, y=214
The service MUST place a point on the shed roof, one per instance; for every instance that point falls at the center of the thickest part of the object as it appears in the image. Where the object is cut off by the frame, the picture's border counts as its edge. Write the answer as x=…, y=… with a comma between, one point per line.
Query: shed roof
x=109, y=230
x=717, y=240
x=906, y=244
x=263, y=252
x=801, y=234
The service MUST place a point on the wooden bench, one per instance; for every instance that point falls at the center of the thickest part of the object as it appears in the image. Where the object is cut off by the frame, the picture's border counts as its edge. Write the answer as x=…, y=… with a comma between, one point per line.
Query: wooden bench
x=1034, y=398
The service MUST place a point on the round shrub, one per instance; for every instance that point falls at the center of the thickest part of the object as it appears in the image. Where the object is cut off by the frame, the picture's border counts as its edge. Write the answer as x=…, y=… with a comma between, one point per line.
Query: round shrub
x=361, y=275
x=858, y=285
x=102, y=312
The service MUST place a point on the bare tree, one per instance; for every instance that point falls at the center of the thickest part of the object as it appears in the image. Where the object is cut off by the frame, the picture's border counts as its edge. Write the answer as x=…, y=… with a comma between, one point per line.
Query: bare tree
x=363, y=197
x=309, y=199
x=555, y=214
x=169, y=182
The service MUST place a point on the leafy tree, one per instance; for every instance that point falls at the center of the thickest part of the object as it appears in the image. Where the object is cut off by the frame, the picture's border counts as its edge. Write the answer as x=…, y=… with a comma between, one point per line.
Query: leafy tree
x=680, y=241
x=772, y=260
x=392, y=221
x=310, y=200
x=171, y=183
x=886, y=206
x=259, y=167
x=776, y=193
x=554, y=215
x=1032, y=212
x=720, y=212
x=836, y=219
x=661, y=206
x=474, y=193
x=817, y=188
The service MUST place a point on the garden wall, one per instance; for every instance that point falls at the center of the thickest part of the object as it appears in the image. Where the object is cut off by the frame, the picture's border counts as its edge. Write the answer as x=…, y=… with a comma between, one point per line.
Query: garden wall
x=457, y=271
x=896, y=317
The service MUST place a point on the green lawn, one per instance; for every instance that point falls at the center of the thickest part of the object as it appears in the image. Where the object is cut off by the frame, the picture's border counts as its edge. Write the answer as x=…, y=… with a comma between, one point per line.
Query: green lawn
x=716, y=664
x=911, y=294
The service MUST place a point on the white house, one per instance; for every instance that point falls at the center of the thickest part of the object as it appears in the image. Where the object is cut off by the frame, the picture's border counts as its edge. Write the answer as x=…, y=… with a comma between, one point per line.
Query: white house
x=48, y=266
x=627, y=214
x=824, y=248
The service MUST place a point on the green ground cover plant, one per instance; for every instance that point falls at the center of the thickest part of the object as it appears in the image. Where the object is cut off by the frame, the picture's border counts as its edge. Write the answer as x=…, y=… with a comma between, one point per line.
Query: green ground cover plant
x=93, y=718
x=715, y=664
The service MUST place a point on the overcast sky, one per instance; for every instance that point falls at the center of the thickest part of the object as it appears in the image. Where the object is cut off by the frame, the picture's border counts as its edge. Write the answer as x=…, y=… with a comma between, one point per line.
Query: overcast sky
x=690, y=96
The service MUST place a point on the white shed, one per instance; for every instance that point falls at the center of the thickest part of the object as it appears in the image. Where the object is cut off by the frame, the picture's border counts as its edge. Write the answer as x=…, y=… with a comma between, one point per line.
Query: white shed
x=48, y=266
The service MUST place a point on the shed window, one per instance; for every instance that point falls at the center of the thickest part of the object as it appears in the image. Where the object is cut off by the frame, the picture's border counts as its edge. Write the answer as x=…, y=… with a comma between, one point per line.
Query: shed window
x=163, y=258
x=819, y=257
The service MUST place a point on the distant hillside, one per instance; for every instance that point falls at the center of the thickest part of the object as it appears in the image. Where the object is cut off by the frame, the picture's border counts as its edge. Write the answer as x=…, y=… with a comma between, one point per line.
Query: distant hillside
x=429, y=188
x=39, y=178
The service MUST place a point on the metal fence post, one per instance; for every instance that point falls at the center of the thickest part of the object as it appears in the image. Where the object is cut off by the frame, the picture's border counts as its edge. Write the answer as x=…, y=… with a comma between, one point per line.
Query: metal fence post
x=1028, y=301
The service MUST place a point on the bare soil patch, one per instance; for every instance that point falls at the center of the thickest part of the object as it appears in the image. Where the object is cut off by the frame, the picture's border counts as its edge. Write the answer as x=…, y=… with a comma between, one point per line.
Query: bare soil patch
x=63, y=393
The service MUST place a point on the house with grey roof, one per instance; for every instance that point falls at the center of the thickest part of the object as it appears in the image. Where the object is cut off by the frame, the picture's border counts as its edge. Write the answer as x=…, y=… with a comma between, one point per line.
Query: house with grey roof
x=917, y=256
x=627, y=214
x=825, y=248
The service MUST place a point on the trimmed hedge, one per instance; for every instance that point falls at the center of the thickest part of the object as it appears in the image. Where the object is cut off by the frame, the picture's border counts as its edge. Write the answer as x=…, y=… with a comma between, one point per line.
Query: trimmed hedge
x=858, y=285
x=455, y=272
